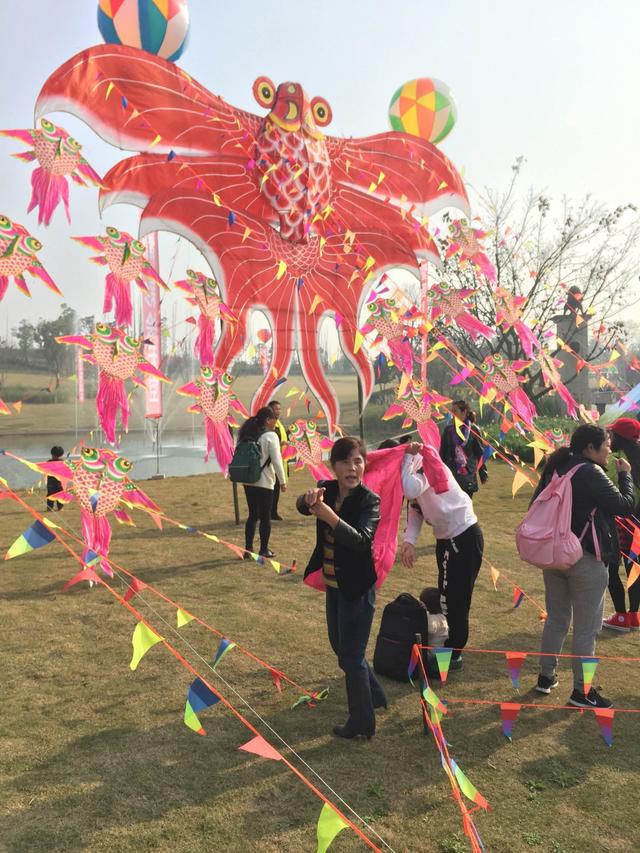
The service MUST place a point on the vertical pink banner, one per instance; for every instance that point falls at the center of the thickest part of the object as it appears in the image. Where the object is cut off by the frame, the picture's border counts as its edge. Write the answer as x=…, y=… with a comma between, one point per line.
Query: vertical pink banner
x=79, y=375
x=152, y=332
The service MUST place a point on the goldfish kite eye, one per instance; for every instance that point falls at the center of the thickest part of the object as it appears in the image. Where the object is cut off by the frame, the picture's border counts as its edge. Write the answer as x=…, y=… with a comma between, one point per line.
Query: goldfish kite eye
x=72, y=144
x=206, y=372
x=264, y=92
x=138, y=247
x=91, y=458
x=130, y=344
x=122, y=466
x=113, y=233
x=192, y=274
x=322, y=114
x=32, y=244
x=103, y=330
x=5, y=223
x=47, y=125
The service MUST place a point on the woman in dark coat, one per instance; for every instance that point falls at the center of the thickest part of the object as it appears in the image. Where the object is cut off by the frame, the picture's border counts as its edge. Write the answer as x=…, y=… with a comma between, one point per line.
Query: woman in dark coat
x=625, y=438
x=460, y=449
x=347, y=515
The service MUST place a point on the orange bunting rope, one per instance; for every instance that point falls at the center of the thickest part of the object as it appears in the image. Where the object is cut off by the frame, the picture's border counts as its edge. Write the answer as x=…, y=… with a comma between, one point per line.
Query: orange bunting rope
x=173, y=651
x=433, y=724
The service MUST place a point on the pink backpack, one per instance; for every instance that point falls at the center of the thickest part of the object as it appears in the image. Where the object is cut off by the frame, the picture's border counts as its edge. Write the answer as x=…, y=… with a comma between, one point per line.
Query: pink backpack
x=544, y=537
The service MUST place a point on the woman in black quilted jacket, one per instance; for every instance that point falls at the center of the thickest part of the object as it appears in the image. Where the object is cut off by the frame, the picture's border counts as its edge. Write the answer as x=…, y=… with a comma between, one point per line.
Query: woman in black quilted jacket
x=347, y=515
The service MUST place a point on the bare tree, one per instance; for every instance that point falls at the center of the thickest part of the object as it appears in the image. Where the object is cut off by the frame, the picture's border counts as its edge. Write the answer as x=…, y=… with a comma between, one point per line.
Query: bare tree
x=545, y=253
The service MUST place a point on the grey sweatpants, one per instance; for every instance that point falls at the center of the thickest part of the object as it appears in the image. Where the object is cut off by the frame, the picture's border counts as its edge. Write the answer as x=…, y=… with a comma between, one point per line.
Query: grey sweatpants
x=580, y=590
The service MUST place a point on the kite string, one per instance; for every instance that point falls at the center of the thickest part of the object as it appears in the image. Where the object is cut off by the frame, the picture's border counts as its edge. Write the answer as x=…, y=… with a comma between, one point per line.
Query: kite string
x=222, y=698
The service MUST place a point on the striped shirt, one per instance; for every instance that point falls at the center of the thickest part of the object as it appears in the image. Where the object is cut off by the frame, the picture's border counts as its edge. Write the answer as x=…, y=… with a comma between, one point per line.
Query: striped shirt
x=328, y=565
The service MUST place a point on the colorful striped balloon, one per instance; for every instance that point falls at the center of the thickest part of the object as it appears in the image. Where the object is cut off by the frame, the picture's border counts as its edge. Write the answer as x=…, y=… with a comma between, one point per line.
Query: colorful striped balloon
x=424, y=107
x=157, y=26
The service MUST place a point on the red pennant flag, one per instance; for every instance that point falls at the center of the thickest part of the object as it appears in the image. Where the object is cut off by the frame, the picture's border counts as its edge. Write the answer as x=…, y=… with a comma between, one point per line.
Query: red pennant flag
x=604, y=716
x=134, y=587
x=514, y=663
x=518, y=595
x=259, y=746
x=276, y=676
x=84, y=575
x=509, y=712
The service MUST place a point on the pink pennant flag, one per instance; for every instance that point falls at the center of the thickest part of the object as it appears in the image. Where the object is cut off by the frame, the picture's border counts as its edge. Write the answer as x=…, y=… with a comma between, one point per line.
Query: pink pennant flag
x=84, y=575
x=259, y=746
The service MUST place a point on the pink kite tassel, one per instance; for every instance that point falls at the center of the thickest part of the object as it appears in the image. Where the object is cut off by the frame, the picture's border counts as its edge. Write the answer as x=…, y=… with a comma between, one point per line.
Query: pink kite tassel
x=474, y=326
x=219, y=439
x=4, y=284
x=204, y=342
x=96, y=532
x=429, y=433
x=320, y=472
x=527, y=339
x=522, y=406
x=117, y=294
x=402, y=355
x=48, y=190
x=485, y=266
x=111, y=399
x=568, y=400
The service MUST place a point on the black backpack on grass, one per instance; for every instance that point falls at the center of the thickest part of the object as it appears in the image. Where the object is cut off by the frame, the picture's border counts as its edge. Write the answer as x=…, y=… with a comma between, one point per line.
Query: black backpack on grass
x=245, y=466
x=402, y=619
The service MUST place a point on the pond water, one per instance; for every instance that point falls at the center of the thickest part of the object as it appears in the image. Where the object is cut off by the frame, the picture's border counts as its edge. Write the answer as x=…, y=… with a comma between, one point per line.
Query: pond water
x=179, y=454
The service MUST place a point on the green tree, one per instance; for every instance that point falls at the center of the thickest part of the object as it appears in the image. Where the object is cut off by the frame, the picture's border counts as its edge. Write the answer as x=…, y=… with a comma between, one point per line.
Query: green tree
x=25, y=335
x=58, y=358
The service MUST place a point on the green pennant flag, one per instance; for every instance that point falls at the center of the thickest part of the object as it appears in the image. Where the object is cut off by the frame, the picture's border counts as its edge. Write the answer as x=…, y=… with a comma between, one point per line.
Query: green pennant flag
x=443, y=659
x=329, y=825
x=182, y=617
x=143, y=639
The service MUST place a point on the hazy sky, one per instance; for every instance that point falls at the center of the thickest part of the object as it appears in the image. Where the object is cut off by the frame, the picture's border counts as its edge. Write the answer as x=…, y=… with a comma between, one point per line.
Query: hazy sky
x=552, y=80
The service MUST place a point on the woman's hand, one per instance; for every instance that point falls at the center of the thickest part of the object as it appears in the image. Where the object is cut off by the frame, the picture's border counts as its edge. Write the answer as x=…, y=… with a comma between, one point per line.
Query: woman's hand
x=413, y=448
x=324, y=513
x=283, y=487
x=313, y=497
x=622, y=465
x=408, y=554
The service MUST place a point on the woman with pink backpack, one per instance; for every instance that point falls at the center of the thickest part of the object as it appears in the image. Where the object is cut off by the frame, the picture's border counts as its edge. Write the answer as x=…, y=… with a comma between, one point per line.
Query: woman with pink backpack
x=579, y=589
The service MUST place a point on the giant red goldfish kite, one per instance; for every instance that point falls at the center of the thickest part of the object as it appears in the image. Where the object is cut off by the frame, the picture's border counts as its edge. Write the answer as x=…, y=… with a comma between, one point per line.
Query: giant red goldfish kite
x=291, y=221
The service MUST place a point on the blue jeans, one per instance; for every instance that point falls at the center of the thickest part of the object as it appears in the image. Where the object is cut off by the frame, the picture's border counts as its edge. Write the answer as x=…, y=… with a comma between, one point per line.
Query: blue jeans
x=349, y=626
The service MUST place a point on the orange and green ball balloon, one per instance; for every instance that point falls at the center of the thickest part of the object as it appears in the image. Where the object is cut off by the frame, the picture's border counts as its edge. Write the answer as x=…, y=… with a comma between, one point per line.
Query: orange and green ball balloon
x=424, y=107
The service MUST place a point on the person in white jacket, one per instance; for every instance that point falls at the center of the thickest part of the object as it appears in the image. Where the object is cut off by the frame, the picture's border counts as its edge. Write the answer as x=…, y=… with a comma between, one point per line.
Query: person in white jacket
x=259, y=495
x=459, y=544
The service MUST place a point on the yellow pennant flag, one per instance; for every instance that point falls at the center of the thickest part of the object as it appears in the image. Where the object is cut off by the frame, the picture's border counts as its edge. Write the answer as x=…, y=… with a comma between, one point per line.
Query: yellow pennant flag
x=247, y=231
x=182, y=617
x=633, y=575
x=329, y=825
x=316, y=301
x=281, y=270
x=495, y=574
x=292, y=391
x=358, y=341
x=538, y=456
x=144, y=638
x=155, y=141
x=519, y=480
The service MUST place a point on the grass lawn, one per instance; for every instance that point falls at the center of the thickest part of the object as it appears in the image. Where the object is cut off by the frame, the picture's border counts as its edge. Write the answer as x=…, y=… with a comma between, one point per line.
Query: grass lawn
x=96, y=757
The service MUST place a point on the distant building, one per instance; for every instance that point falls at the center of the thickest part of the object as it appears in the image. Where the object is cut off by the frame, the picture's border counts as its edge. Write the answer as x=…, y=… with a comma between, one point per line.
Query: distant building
x=573, y=328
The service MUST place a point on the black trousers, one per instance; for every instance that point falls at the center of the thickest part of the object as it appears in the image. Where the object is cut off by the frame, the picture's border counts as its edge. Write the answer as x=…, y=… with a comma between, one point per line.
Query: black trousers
x=276, y=497
x=459, y=562
x=349, y=626
x=617, y=590
x=259, y=503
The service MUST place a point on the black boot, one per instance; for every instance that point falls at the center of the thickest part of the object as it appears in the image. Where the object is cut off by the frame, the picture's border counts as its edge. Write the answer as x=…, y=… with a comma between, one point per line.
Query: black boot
x=378, y=696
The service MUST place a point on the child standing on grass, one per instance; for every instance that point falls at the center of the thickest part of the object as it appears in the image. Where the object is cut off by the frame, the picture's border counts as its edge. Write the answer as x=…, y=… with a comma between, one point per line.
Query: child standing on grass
x=53, y=484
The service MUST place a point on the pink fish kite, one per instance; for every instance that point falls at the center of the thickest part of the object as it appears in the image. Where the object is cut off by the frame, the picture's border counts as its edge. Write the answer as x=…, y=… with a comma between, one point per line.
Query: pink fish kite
x=118, y=358
x=204, y=292
x=125, y=257
x=59, y=156
x=99, y=482
x=217, y=402
x=18, y=251
x=306, y=445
